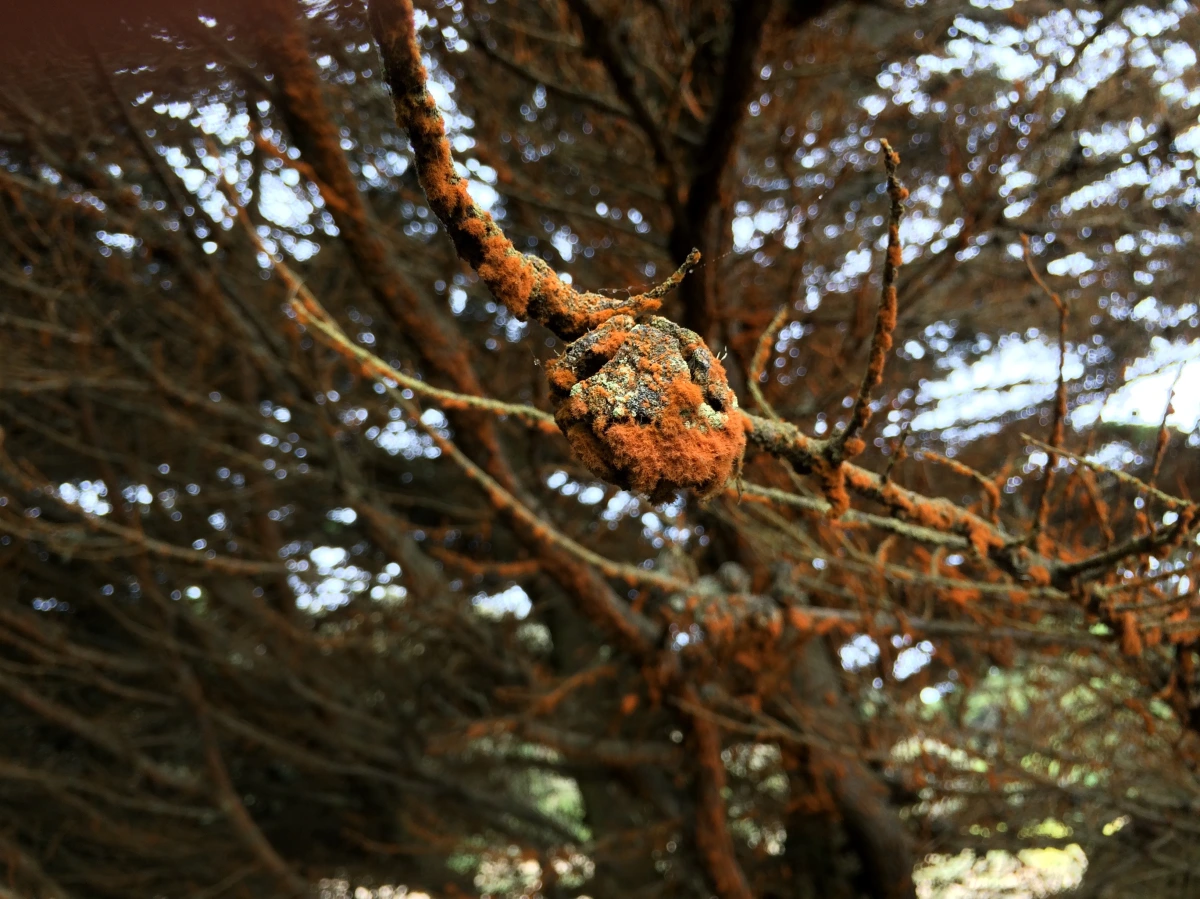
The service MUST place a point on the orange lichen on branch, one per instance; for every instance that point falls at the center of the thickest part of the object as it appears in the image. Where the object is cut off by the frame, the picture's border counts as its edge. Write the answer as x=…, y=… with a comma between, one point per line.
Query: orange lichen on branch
x=826, y=459
x=809, y=455
x=831, y=477
x=656, y=294
x=759, y=361
x=784, y=440
x=1131, y=635
x=1039, y=574
x=712, y=823
x=526, y=285
x=589, y=677
x=1139, y=709
x=647, y=406
x=989, y=487
x=961, y=596
x=641, y=422
x=938, y=514
x=1060, y=395
x=885, y=318
x=799, y=620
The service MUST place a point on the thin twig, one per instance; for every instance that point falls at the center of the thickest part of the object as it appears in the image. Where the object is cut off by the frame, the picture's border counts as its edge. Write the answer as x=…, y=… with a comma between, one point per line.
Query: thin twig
x=759, y=362
x=991, y=491
x=885, y=318
x=310, y=313
x=657, y=293
x=1164, y=435
x=900, y=453
x=853, y=516
x=1135, y=546
x=1060, y=395
x=229, y=800
x=1123, y=476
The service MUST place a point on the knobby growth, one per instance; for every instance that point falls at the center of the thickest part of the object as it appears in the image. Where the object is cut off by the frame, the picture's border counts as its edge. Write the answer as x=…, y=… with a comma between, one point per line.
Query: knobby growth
x=643, y=402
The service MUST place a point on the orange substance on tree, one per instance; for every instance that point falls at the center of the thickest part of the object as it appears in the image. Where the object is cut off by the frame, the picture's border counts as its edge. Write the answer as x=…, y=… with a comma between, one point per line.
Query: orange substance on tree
x=1131, y=636
x=832, y=478
x=526, y=285
x=962, y=596
x=1039, y=574
x=939, y=514
x=647, y=406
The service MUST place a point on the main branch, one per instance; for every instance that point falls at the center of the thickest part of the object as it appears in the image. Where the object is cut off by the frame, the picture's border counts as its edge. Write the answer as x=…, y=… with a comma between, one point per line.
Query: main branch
x=526, y=285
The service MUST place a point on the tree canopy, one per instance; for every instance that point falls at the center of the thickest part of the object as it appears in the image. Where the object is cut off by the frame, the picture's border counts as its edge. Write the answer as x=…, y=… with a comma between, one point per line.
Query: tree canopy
x=567, y=448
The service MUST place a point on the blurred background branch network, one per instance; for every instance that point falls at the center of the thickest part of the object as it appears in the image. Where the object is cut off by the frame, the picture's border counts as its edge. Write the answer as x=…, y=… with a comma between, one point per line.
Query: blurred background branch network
x=571, y=448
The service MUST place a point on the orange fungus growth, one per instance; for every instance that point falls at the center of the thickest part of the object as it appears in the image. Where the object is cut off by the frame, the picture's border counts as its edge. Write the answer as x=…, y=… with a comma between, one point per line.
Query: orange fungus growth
x=647, y=406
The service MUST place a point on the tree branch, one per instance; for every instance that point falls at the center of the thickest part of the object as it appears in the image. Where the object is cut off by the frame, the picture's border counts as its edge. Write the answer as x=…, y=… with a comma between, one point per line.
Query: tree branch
x=885, y=319
x=712, y=827
x=524, y=284
x=301, y=102
x=229, y=800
